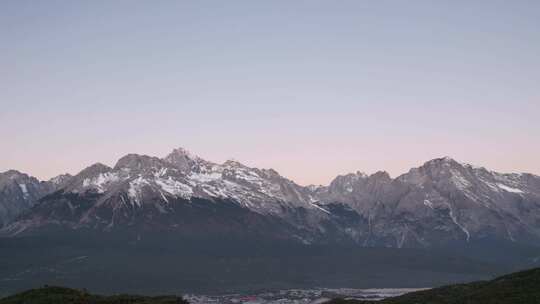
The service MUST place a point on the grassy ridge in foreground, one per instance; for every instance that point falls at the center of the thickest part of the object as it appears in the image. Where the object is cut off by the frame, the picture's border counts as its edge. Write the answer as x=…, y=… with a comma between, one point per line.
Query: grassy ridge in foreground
x=55, y=295
x=520, y=287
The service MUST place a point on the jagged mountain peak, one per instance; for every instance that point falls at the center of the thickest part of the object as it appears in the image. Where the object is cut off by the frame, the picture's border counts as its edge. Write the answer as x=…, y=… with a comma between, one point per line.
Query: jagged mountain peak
x=381, y=175
x=12, y=176
x=271, y=172
x=360, y=174
x=443, y=168
x=10, y=173
x=81, y=181
x=357, y=183
x=137, y=180
x=183, y=152
x=60, y=177
x=440, y=198
x=186, y=161
x=476, y=183
x=19, y=192
x=349, y=177
x=443, y=161
x=60, y=180
x=138, y=162
x=446, y=159
x=449, y=162
x=94, y=169
x=234, y=163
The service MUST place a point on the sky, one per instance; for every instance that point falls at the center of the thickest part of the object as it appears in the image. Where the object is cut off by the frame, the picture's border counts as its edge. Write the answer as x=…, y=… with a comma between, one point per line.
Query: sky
x=312, y=89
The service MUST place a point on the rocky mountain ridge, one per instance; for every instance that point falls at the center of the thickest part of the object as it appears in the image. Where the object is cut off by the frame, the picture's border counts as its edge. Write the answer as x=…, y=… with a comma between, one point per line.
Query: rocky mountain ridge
x=19, y=192
x=442, y=201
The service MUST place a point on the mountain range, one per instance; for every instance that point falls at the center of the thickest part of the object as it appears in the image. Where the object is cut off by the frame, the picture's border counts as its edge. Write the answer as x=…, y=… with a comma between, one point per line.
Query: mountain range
x=441, y=202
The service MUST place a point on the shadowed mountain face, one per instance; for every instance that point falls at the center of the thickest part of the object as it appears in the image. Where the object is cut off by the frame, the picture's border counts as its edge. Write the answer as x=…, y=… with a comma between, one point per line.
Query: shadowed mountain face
x=440, y=203
x=19, y=192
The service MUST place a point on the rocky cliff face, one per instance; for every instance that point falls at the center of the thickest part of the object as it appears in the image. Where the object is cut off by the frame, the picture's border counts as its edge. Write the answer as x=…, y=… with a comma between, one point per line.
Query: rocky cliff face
x=19, y=192
x=441, y=202
x=180, y=192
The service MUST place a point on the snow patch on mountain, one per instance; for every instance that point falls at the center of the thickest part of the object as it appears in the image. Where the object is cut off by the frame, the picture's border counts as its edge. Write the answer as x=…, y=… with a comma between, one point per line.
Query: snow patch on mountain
x=428, y=203
x=320, y=208
x=135, y=189
x=455, y=220
x=175, y=187
x=100, y=181
x=509, y=189
x=24, y=190
x=205, y=177
x=459, y=180
x=441, y=196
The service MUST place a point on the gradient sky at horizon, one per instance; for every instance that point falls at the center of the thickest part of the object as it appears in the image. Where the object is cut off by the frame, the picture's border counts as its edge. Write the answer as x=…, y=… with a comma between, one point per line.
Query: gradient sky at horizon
x=312, y=89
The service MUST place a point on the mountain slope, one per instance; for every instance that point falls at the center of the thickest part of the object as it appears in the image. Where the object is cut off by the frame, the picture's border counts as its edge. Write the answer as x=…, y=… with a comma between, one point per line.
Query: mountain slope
x=19, y=192
x=481, y=203
x=442, y=215
x=441, y=203
x=181, y=193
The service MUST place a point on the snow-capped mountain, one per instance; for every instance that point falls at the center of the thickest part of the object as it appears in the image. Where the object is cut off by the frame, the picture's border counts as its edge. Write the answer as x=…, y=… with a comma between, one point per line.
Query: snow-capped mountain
x=19, y=192
x=440, y=202
x=184, y=175
x=480, y=203
x=153, y=192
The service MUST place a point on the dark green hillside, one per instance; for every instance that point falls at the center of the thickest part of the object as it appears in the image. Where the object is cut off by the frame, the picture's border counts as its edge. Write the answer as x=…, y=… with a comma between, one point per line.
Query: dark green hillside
x=55, y=295
x=521, y=287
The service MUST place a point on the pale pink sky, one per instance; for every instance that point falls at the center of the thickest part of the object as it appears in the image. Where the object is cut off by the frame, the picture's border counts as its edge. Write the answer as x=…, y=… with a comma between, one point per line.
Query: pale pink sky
x=312, y=89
